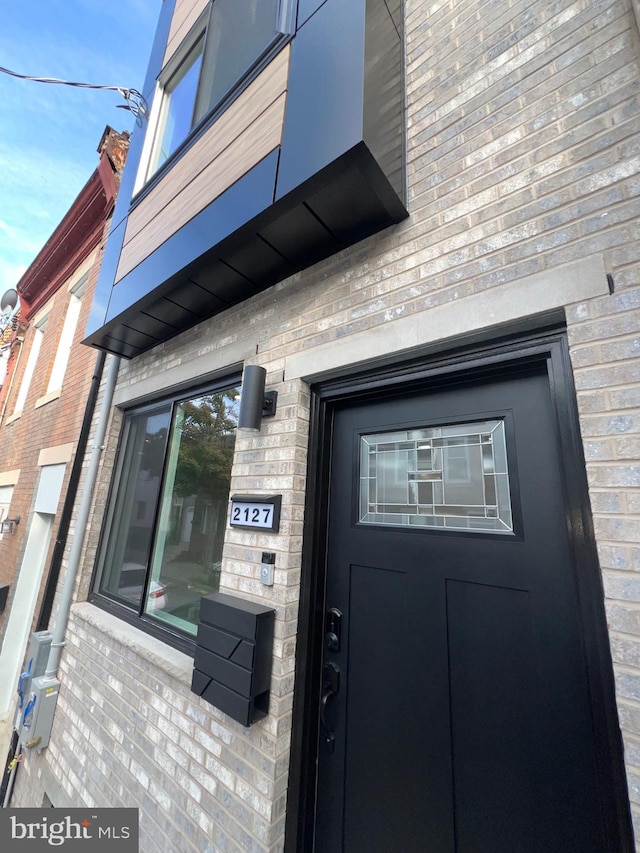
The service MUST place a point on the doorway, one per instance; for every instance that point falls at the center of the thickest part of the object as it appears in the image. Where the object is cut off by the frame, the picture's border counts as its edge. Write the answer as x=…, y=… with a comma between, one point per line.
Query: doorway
x=460, y=694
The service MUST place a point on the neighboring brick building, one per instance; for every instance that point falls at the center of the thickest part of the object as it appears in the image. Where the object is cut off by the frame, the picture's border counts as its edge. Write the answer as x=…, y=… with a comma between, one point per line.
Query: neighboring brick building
x=43, y=403
x=455, y=442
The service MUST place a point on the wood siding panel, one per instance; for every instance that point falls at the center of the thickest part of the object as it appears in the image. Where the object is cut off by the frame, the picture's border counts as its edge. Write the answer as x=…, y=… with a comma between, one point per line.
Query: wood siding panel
x=258, y=140
x=184, y=17
x=242, y=136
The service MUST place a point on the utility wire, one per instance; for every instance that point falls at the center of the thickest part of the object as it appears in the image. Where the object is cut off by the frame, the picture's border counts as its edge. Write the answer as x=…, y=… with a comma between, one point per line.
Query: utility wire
x=136, y=103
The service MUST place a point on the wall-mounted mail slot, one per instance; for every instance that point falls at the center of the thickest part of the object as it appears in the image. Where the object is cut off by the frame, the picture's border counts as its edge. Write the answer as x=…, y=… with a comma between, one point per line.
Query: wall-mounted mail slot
x=232, y=665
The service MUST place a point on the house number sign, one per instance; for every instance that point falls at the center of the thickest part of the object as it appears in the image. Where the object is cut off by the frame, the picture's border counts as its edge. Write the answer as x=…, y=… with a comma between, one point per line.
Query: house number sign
x=261, y=512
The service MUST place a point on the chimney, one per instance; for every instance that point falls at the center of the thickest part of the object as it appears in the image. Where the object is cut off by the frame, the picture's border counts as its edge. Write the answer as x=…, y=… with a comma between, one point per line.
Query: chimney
x=115, y=145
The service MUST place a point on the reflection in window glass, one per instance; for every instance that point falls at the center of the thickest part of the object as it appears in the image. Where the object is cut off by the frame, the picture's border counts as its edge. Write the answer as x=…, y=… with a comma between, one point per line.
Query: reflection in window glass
x=179, y=103
x=170, y=510
x=238, y=34
x=193, y=508
x=454, y=477
x=235, y=36
x=134, y=511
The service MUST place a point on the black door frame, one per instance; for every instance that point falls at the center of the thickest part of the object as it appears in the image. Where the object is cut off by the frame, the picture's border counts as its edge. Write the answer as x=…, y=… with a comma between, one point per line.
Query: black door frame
x=512, y=353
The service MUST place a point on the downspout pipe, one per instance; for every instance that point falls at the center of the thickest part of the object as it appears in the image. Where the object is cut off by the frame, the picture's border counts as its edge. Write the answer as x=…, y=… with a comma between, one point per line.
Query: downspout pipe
x=86, y=499
x=70, y=498
x=44, y=615
x=66, y=593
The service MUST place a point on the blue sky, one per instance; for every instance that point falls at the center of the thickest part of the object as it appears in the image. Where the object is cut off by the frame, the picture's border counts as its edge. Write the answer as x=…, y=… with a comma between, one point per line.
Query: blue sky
x=49, y=133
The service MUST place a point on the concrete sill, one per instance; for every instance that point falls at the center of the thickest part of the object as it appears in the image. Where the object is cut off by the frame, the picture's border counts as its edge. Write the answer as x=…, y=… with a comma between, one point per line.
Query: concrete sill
x=169, y=660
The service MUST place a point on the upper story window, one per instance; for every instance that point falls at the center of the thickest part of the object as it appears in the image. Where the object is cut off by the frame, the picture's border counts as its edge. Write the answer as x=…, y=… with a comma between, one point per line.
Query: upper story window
x=168, y=512
x=66, y=337
x=32, y=360
x=224, y=47
x=178, y=103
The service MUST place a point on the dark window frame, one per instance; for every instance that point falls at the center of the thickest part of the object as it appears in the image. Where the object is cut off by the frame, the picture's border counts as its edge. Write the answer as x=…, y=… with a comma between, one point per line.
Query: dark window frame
x=285, y=28
x=163, y=631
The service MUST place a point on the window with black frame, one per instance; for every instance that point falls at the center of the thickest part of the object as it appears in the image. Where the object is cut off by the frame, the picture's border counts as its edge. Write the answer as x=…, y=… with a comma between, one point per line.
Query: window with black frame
x=166, y=521
x=225, y=46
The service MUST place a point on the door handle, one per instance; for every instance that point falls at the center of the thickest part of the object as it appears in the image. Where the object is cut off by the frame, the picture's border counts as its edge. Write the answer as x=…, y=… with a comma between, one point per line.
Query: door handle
x=330, y=687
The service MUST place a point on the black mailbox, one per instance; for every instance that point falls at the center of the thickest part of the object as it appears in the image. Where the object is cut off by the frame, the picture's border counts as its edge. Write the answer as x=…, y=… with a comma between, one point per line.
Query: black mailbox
x=232, y=666
x=4, y=592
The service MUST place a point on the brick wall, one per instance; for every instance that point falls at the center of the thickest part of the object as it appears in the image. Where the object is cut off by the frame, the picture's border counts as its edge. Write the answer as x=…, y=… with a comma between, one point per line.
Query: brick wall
x=523, y=156
x=39, y=426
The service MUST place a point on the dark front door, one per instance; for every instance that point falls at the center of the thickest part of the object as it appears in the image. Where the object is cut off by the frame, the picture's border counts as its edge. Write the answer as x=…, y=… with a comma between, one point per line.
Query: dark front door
x=455, y=707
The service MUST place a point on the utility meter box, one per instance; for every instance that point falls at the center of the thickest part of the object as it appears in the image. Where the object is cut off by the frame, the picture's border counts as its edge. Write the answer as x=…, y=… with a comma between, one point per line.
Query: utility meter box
x=37, y=718
x=38, y=654
x=36, y=665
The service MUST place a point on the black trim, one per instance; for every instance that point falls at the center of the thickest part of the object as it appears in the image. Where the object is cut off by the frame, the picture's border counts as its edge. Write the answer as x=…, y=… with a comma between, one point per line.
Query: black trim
x=514, y=353
x=180, y=640
x=337, y=177
x=591, y=597
x=278, y=41
x=160, y=630
x=241, y=244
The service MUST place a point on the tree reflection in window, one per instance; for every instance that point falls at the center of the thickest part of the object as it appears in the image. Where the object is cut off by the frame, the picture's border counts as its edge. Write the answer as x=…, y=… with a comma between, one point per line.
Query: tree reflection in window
x=193, y=508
